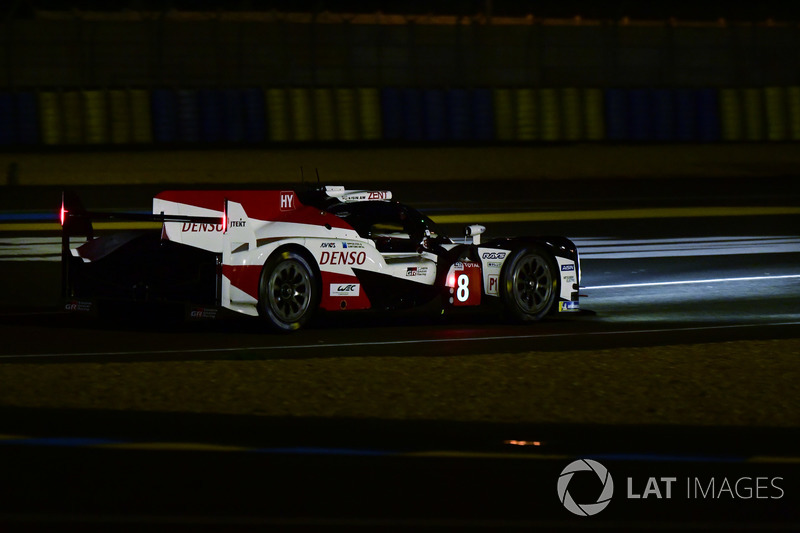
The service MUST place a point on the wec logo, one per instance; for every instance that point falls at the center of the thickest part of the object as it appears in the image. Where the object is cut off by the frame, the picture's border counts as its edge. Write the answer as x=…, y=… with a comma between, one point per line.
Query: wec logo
x=345, y=289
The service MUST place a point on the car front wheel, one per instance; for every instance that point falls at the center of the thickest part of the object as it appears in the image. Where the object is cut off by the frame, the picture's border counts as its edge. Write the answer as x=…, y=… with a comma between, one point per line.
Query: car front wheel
x=529, y=285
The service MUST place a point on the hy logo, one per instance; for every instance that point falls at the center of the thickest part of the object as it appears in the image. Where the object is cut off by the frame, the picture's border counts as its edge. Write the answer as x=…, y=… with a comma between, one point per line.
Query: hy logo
x=586, y=509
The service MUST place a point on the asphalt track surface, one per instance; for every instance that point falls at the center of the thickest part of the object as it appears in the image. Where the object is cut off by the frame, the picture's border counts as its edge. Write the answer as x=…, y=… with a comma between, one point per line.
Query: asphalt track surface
x=727, y=269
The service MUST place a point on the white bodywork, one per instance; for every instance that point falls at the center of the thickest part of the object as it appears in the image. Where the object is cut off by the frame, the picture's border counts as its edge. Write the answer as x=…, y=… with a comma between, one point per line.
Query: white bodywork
x=250, y=242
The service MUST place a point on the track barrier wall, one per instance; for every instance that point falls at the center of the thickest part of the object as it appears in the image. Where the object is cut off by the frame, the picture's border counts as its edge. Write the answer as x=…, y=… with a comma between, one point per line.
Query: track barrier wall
x=119, y=117
x=73, y=118
x=346, y=114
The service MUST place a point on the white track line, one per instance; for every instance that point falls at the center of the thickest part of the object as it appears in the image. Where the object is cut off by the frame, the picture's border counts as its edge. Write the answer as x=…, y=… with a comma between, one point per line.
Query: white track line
x=395, y=343
x=689, y=282
x=602, y=248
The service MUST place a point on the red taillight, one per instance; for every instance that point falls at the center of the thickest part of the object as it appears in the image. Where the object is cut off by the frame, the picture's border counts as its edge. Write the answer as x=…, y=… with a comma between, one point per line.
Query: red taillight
x=225, y=216
x=63, y=214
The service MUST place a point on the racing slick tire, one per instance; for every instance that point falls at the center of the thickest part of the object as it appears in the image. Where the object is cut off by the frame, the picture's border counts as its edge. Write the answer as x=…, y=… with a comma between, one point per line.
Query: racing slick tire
x=289, y=292
x=529, y=285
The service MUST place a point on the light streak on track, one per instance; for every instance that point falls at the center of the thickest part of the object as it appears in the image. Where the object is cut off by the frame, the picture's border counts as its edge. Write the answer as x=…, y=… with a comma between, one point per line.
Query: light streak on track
x=31, y=248
x=690, y=282
x=609, y=248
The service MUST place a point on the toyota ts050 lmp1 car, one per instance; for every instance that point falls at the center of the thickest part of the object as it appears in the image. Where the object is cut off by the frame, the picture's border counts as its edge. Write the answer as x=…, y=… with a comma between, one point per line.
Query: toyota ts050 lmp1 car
x=283, y=255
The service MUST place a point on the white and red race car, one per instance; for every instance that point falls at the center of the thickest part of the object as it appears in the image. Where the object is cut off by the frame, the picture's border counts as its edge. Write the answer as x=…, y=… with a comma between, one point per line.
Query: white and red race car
x=283, y=255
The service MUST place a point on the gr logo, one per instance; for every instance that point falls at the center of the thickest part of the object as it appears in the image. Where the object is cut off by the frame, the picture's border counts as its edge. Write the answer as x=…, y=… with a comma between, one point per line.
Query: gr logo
x=585, y=509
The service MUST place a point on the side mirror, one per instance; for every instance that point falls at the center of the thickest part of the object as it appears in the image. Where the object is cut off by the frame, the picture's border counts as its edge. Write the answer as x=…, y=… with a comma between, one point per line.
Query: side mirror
x=474, y=231
x=424, y=246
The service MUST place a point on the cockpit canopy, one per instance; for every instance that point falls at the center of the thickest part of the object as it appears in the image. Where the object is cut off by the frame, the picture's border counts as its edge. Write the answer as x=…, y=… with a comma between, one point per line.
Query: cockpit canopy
x=392, y=225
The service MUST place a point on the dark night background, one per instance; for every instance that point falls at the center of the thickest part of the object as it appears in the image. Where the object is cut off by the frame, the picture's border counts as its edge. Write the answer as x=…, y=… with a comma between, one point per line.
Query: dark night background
x=744, y=11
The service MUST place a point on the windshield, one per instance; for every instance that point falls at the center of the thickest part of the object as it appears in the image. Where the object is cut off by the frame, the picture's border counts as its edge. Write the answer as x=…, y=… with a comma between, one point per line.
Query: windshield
x=371, y=219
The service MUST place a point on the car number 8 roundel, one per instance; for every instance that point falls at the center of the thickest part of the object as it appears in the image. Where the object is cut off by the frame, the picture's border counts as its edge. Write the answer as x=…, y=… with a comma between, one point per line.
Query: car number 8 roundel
x=466, y=289
x=462, y=293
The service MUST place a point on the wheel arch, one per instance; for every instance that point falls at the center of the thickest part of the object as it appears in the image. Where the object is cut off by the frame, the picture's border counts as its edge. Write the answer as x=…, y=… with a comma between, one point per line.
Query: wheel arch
x=280, y=250
x=556, y=245
x=297, y=248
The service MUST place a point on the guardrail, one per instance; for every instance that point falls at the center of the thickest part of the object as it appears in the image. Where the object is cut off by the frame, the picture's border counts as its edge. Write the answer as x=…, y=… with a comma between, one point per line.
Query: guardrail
x=256, y=116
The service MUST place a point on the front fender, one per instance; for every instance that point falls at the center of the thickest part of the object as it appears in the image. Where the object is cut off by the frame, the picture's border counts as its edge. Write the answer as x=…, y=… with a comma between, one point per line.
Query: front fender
x=563, y=250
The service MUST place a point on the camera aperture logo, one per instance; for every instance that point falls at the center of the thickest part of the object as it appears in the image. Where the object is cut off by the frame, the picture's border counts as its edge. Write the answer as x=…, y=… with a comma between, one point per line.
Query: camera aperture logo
x=585, y=509
x=661, y=488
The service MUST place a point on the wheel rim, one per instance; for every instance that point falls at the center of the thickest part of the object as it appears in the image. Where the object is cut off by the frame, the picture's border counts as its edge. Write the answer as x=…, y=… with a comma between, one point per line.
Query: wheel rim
x=532, y=284
x=289, y=291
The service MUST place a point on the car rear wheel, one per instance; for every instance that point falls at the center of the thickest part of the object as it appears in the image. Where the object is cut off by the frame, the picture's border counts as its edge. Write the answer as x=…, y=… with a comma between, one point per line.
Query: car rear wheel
x=289, y=291
x=529, y=285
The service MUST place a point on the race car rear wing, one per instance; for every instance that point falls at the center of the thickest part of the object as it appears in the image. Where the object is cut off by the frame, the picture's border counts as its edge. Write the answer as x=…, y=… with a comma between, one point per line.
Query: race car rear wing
x=76, y=221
